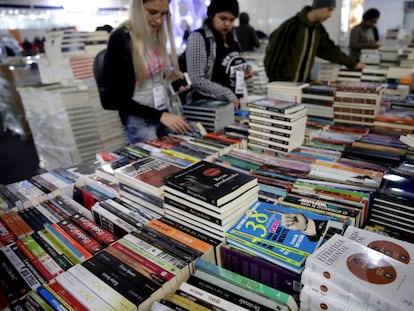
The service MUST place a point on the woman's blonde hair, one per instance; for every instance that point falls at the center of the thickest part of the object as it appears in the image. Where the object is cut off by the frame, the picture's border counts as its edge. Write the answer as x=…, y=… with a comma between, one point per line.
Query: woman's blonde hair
x=143, y=40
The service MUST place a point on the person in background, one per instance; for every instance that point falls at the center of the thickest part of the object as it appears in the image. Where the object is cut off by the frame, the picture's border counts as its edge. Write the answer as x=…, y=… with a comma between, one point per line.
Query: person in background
x=246, y=34
x=219, y=73
x=294, y=45
x=108, y=28
x=139, y=70
x=364, y=35
x=187, y=31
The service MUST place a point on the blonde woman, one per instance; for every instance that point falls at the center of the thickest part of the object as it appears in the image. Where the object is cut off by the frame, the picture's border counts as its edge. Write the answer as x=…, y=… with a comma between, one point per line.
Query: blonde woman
x=139, y=70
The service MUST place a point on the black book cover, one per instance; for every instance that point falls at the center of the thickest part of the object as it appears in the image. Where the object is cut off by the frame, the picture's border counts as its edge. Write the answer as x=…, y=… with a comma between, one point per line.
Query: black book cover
x=210, y=182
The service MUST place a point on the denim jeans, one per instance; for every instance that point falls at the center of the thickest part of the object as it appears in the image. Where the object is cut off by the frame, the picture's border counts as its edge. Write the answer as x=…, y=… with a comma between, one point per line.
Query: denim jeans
x=140, y=130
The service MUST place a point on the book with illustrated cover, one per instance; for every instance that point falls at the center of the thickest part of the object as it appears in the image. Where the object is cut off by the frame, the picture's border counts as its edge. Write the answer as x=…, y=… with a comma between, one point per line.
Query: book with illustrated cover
x=298, y=231
x=147, y=173
x=397, y=249
x=212, y=183
x=359, y=270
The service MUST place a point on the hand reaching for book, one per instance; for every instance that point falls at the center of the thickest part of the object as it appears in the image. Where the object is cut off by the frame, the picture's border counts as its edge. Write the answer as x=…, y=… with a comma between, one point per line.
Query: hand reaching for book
x=175, y=123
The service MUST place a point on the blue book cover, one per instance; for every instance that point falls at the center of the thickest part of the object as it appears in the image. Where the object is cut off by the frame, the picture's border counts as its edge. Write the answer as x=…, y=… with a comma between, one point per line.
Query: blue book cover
x=298, y=231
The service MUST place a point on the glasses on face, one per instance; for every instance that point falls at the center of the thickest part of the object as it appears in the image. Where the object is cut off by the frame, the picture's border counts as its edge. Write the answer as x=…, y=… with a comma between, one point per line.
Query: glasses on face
x=152, y=13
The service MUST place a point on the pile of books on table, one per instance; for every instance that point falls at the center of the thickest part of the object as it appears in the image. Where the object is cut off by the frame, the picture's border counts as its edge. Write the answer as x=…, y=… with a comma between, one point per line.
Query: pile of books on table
x=276, y=125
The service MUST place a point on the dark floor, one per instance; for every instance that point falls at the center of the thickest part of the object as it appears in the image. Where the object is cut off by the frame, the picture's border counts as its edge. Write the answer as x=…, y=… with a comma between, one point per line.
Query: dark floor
x=18, y=158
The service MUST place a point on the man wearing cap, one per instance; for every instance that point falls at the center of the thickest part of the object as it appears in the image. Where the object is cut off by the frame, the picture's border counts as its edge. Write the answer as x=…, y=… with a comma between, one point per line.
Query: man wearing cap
x=294, y=45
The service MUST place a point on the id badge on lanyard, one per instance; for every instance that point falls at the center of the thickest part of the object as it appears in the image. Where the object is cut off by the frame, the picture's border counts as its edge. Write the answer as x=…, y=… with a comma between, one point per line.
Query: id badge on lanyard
x=240, y=84
x=158, y=93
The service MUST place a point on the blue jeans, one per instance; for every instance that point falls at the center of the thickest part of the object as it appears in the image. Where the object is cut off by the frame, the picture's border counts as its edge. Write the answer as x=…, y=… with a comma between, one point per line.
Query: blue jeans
x=140, y=130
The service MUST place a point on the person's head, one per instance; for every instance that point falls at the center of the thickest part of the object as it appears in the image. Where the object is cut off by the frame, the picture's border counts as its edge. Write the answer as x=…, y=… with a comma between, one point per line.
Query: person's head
x=322, y=10
x=244, y=18
x=371, y=17
x=150, y=24
x=222, y=14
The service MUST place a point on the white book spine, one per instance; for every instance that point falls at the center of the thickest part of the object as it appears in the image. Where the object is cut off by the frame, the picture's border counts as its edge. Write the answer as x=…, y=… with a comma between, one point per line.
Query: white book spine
x=84, y=294
x=113, y=218
x=103, y=290
x=52, y=218
x=213, y=299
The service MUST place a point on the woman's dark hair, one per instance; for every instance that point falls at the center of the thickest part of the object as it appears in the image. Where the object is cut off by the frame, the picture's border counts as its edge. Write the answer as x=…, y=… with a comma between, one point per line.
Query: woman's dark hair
x=371, y=14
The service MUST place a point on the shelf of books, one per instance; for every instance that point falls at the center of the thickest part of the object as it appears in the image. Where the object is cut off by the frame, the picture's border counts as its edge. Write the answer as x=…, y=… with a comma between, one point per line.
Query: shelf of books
x=304, y=212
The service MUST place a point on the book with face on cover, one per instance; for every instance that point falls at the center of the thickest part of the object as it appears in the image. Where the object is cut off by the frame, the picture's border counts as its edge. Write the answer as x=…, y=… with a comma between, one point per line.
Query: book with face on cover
x=370, y=275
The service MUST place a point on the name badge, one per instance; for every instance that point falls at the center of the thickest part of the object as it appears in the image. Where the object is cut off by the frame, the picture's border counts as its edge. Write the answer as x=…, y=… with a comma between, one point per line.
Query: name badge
x=160, y=101
x=240, y=85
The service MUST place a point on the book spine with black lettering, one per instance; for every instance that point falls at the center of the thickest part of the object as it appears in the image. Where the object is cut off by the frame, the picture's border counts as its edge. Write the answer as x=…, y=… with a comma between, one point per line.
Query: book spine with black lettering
x=167, y=270
x=108, y=293
x=222, y=289
x=170, y=245
x=83, y=293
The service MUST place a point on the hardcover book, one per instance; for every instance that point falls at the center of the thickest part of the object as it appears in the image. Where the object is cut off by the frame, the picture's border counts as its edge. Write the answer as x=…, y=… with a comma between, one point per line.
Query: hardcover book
x=374, y=277
x=212, y=183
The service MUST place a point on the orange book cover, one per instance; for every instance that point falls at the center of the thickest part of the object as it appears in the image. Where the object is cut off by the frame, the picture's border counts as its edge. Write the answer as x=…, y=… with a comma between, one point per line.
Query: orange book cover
x=179, y=235
x=396, y=116
x=72, y=241
x=360, y=171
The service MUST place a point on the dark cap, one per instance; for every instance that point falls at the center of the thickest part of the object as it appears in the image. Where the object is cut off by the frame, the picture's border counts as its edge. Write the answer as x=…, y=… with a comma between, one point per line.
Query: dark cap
x=318, y=4
x=217, y=6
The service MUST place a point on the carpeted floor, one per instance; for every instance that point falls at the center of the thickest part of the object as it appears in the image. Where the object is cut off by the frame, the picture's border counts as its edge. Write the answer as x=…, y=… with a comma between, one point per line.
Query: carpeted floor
x=18, y=158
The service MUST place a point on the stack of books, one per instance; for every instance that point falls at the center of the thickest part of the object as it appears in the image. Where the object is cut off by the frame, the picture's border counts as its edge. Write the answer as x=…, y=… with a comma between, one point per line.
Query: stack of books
x=287, y=235
x=318, y=100
x=211, y=287
x=357, y=102
x=374, y=74
x=393, y=201
x=395, y=120
x=389, y=56
x=143, y=181
x=346, y=275
x=208, y=197
x=370, y=57
x=349, y=75
x=213, y=115
x=276, y=125
x=286, y=91
x=328, y=71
